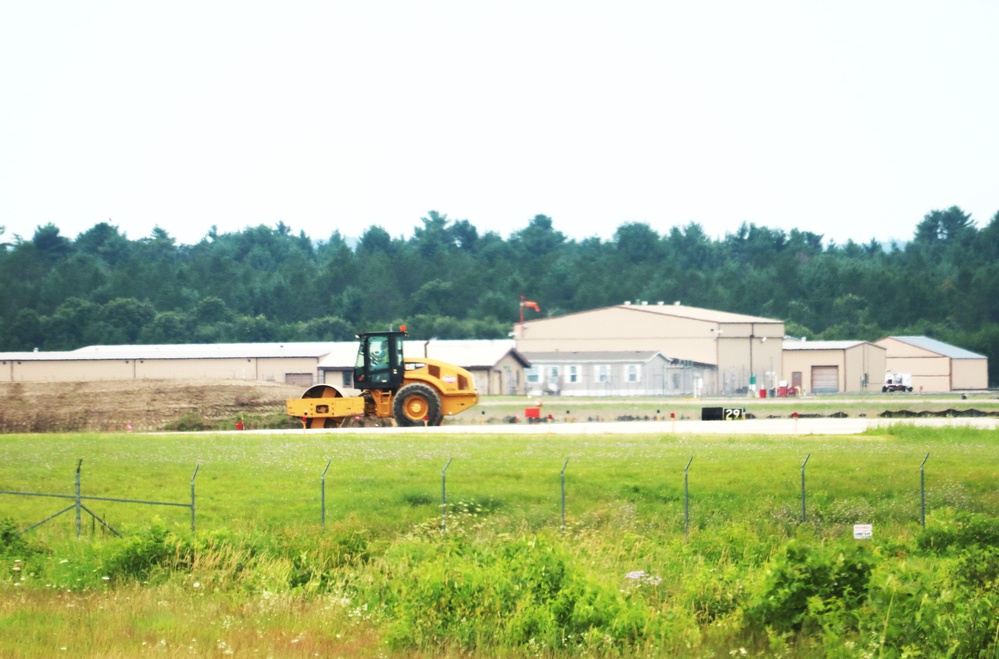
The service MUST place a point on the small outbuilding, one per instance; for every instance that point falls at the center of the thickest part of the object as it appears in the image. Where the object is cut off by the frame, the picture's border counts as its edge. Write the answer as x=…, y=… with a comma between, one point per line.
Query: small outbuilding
x=829, y=367
x=615, y=373
x=936, y=366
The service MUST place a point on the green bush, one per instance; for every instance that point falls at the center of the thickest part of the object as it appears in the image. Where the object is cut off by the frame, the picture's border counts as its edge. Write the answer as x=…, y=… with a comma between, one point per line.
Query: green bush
x=190, y=423
x=808, y=584
x=140, y=555
x=978, y=569
x=523, y=594
x=959, y=531
x=315, y=561
x=927, y=607
x=12, y=543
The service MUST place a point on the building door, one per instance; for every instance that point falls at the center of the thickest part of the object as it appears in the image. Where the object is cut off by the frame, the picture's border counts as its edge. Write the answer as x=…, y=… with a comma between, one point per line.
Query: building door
x=300, y=379
x=825, y=379
x=509, y=384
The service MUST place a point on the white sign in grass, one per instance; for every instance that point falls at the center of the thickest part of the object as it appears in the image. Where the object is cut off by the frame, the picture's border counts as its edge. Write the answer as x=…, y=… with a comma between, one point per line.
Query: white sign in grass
x=862, y=531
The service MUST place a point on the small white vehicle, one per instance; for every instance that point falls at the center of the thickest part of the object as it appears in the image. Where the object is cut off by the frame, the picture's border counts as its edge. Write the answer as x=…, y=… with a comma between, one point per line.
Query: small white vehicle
x=897, y=382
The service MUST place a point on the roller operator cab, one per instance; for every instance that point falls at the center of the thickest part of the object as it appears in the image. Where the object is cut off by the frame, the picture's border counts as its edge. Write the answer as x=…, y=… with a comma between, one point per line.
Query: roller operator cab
x=409, y=391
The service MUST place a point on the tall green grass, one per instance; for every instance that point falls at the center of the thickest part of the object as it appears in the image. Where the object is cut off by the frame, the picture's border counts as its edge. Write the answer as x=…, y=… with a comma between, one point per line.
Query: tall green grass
x=625, y=577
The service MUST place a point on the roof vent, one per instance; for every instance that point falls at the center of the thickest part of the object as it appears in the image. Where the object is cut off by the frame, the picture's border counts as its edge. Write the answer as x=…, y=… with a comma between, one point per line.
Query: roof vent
x=645, y=303
x=627, y=303
x=660, y=303
x=677, y=303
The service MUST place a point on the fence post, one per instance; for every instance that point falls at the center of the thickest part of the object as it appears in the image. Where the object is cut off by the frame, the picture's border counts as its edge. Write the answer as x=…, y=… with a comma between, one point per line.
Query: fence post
x=193, y=476
x=686, y=502
x=78, y=504
x=322, y=494
x=922, y=491
x=444, y=496
x=803, y=486
x=562, y=476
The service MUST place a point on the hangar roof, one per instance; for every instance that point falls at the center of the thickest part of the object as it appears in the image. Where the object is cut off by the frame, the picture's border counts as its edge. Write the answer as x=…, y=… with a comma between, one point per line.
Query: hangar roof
x=697, y=313
x=332, y=354
x=798, y=344
x=180, y=351
x=939, y=347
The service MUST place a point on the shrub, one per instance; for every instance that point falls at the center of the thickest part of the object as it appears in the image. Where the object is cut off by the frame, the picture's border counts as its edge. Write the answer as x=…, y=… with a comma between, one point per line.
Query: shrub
x=189, y=423
x=12, y=543
x=140, y=555
x=316, y=561
x=935, y=606
x=808, y=583
x=959, y=531
x=978, y=568
x=524, y=594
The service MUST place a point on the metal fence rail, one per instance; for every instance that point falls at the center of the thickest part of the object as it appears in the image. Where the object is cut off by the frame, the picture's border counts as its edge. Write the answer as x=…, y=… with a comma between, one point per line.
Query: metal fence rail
x=78, y=506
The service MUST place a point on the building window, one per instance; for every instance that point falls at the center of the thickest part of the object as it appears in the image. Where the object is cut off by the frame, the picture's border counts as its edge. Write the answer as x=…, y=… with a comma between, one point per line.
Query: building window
x=553, y=373
x=633, y=373
x=573, y=374
x=601, y=373
x=533, y=374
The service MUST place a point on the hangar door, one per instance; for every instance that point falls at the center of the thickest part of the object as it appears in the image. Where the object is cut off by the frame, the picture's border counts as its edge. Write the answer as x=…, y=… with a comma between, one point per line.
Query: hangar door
x=825, y=379
x=300, y=379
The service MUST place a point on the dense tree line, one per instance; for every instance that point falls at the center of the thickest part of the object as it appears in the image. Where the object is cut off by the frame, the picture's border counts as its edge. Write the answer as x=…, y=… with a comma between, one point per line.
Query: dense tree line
x=450, y=281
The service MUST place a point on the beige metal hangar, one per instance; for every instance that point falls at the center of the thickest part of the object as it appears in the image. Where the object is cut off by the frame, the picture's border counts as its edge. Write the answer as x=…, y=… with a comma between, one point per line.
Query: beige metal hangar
x=296, y=363
x=826, y=367
x=745, y=351
x=936, y=366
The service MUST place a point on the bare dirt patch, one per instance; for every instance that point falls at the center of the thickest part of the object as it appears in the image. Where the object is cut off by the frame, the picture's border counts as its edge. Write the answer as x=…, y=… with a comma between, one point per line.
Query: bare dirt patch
x=143, y=404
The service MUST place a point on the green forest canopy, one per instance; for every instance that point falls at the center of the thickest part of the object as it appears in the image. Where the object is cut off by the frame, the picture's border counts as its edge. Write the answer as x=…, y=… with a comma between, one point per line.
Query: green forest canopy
x=448, y=281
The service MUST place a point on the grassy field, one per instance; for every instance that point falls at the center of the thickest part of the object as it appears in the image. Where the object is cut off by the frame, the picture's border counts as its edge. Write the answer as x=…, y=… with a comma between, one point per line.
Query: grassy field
x=263, y=576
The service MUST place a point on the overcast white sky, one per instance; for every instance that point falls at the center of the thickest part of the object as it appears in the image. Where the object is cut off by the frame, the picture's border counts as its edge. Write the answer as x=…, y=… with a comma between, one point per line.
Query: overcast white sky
x=851, y=119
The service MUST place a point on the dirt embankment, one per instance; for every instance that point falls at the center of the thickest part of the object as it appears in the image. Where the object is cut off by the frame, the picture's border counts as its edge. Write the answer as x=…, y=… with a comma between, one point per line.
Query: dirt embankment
x=143, y=404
